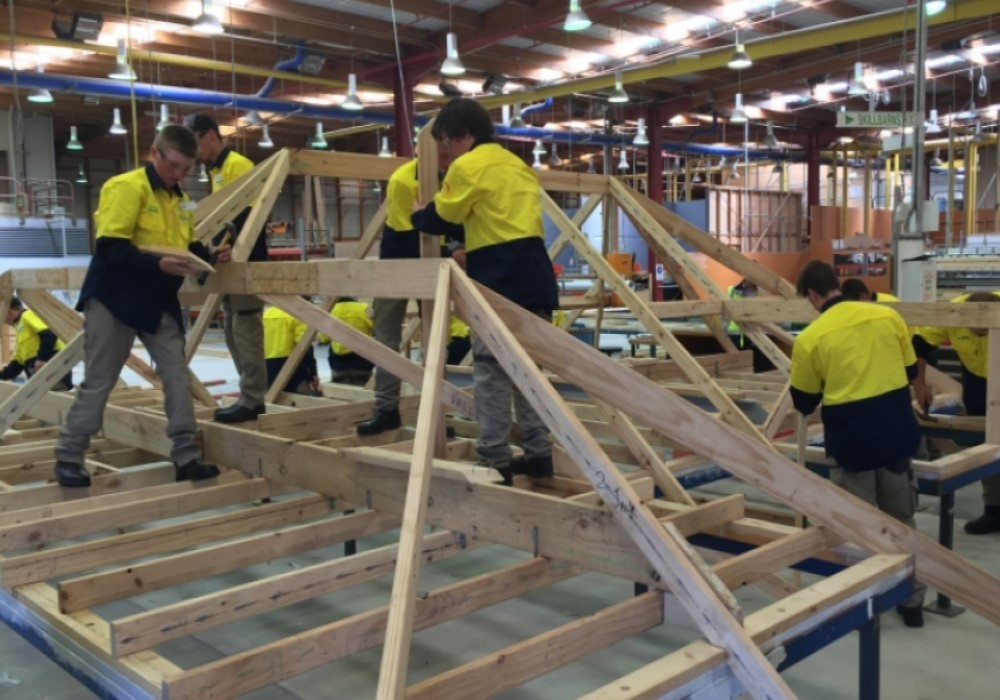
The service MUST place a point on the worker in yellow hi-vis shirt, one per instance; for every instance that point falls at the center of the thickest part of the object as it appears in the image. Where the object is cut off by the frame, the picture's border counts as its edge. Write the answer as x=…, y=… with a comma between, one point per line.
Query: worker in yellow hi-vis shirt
x=128, y=293
x=34, y=345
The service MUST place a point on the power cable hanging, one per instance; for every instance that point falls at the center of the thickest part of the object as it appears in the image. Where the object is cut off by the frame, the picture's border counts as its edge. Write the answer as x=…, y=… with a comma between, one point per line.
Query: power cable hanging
x=406, y=127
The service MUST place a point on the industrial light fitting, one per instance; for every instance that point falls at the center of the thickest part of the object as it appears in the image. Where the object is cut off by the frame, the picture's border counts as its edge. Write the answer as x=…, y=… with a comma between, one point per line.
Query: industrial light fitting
x=40, y=95
x=618, y=95
x=117, y=128
x=265, y=138
x=931, y=126
x=74, y=143
x=857, y=87
x=351, y=101
x=738, y=116
x=517, y=122
x=770, y=140
x=623, y=161
x=207, y=22
x=554, y=160
x=576, y=20
x=935, y=161
x=122, y=70
x=385, y=152
x=253, y=118
x=641, y=138
x=85, y=26
x=319, y=140
x=935, y=7
x=452, y=64
x=539, y=149
x=537, y=164
x=164, y=118
x=202, y=174
x=740, y=58
x=734, y=172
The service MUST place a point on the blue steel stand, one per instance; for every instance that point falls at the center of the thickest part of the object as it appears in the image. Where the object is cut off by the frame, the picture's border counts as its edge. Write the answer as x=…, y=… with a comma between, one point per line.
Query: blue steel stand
x=946, y=536
x=869, y=658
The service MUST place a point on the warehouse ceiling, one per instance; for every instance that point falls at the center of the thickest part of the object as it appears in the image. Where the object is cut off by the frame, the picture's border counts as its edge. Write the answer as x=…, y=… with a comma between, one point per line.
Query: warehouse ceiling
x=672, y=58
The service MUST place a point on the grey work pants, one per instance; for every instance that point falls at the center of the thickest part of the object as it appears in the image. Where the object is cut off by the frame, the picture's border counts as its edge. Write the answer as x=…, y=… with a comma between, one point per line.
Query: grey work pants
x=493, y=392
x=244, y=328
x=108, y=344
x=387, y=327
x=893, y=494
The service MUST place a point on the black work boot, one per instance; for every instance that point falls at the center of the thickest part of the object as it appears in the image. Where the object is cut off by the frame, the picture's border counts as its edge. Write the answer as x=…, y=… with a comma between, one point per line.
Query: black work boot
x=72, y=474
x=196, y=470
x=912, y=617
x=537, y=467
x=380, y=422
x=237, y=413
x=986, y=523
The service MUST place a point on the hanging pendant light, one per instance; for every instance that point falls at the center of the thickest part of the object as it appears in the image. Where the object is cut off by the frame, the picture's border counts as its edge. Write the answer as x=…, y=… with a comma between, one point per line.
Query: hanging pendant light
x=935, y=7
x=74, y=143
x=117, y=128
x=452, y=64
x=576, y=20
x=207, y=22
x=377, y=187
x=265, y=138
x=319, y=139
x=623, y=161
x=932, y=126
x=81, y=176
x=618, y=95
x=516, y=122
x=936, y=162
x=537, y=165
x=40, y=95
x=385, y=152
x=857, y=87
x=538, y=149
x=122, y=70
x=351, y=101
x=554, y=160
x=202, y=174
x=770, y=140
x=740, y=58
x=164, y=118
x=734, y=172
x=738, y=116
x=641, y=138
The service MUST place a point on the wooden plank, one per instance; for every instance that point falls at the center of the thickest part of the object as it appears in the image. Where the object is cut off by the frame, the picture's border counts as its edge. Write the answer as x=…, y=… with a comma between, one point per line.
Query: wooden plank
x=519, y=663
x=254, y=223
x=61, y=561
x=222, y=206
x=127, y=581
x=371, y=349
x=147, y=629
x=686, y=664
x=40, y=382
x=326, y=421
x=204, y=496
x=399, y=630
x=99, y=484
x=758, y=563
x=271, y=663
x=671, y=562
x=695, y=373
x=749, y=459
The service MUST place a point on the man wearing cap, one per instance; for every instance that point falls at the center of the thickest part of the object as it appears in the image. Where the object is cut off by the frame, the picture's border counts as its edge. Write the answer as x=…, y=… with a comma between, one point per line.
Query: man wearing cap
x=244, y=327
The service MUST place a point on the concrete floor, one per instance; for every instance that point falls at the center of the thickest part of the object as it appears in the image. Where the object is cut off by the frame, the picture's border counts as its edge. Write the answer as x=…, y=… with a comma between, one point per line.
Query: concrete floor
x=949, y=659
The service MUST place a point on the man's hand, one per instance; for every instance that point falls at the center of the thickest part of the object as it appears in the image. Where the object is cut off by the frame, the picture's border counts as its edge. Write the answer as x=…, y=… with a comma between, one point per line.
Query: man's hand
x=458, y=255
x=39, y=364
x=222, y=254
x=178, y=267
x=923, y=394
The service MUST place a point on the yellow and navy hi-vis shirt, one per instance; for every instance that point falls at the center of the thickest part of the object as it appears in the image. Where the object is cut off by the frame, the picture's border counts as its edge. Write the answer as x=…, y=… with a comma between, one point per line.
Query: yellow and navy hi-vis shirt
x=281, y=333
x=136, y=208
x=972, y=349
x=885, y=297
x=399, y=238
x=28, y=341
x=857, y=358
x=227, y=168
x=497, y=198
x=356, y=315
x=457, y=328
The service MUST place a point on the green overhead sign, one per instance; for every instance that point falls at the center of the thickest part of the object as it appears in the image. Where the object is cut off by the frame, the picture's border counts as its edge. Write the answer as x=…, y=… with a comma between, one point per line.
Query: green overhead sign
x=875, y=120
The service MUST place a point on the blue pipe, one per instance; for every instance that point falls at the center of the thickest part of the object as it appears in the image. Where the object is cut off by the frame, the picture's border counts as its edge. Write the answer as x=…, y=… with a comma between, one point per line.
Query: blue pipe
x=531, y=109
x=291, y=64
x=122, y=90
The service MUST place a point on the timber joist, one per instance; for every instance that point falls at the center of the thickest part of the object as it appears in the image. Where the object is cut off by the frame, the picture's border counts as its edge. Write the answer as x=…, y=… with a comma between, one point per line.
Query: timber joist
x=138, y=564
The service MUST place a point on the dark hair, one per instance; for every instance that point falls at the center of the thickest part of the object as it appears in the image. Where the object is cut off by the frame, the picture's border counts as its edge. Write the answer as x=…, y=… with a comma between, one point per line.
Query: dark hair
x=854, y=288
x=201, y=124
x=460, y=117
x=16, y=303
x=819, y=277
x=983, y=296
x=174, y=137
